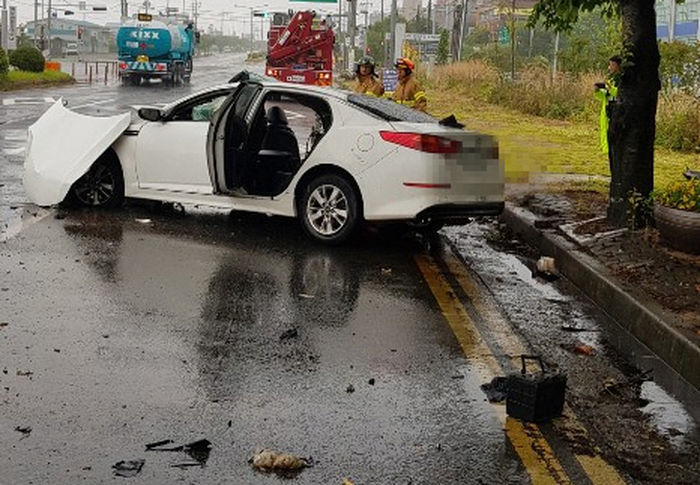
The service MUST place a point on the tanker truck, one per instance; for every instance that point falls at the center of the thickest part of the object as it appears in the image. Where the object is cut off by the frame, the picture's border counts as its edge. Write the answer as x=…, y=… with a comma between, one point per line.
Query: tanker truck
x=153, y=49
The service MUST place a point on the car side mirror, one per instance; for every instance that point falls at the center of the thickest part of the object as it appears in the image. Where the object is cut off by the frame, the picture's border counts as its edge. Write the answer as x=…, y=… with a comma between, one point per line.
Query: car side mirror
x=150, y=114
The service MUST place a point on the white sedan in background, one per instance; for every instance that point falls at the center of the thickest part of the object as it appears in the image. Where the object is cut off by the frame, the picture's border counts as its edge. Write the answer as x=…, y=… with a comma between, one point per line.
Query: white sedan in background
x=331, y=158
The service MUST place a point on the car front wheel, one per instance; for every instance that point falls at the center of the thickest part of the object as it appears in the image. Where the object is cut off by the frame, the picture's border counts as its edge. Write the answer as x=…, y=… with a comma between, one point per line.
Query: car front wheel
x=101, y=186
x=329, y=209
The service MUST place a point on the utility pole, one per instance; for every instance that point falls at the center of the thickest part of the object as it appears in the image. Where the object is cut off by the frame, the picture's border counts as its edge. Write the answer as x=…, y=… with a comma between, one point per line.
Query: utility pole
x=465, y=3
x=36, y=20
x=556, y=57
x=4, y=37
x=352, y=30
x=392, y=30
x=512, y=42
x=251, y=29
x=48, y=26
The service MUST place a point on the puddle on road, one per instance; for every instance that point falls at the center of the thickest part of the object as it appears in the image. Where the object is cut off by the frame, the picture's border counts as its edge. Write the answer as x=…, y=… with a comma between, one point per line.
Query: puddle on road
x=667, y=415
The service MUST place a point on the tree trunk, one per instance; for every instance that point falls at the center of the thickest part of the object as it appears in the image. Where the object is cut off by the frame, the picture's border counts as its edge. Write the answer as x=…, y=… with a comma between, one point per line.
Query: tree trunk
x=632, y=117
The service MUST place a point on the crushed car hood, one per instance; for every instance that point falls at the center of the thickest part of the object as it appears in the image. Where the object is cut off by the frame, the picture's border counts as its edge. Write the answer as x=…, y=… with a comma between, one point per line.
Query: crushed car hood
x=61, y=147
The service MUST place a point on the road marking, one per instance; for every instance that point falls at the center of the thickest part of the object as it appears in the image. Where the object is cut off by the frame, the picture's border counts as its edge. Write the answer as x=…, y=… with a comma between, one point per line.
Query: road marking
x=25, y=101
x=531, y=446
x=597, y=469
x=93, y=103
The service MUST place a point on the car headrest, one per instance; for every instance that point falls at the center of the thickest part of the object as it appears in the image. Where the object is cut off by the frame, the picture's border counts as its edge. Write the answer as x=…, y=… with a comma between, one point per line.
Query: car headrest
x=276, y=116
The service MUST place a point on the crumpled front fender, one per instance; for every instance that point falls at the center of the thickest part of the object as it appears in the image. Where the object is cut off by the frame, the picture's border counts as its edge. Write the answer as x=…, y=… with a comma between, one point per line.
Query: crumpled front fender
x=61, y=147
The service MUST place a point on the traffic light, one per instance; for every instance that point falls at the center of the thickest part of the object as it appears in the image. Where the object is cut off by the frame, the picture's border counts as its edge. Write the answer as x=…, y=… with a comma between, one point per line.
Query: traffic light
x=68, y=12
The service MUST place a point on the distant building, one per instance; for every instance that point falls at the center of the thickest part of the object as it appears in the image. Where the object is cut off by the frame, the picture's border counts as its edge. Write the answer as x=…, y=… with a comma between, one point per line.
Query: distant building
x=409, y=9
x=678, y=21
x=89, y=37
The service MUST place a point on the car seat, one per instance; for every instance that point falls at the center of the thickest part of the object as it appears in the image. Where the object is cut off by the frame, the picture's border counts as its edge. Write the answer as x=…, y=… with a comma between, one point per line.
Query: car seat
x=279, y=157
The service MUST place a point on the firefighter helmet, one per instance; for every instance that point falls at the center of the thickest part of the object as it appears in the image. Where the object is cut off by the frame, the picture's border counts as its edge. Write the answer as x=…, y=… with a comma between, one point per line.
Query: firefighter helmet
x=365, y=61
x=405, y=63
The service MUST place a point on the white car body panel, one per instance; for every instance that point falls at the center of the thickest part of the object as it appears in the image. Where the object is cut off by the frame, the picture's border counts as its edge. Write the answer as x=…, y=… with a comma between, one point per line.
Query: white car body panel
x=61, y=147
x=185, y=168
x=168, y=161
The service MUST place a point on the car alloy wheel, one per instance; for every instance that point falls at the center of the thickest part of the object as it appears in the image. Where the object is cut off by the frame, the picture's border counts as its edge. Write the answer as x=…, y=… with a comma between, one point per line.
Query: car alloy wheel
x=329, y=209
x=101, y=186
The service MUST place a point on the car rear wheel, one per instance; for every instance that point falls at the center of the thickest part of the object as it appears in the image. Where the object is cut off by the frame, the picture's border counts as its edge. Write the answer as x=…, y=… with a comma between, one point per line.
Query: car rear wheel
x=101, y=186
x=328, y=209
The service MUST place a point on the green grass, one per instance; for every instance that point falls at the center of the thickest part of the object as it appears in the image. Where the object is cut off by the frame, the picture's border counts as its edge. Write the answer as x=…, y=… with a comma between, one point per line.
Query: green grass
x=532, y=144
x=24, y=79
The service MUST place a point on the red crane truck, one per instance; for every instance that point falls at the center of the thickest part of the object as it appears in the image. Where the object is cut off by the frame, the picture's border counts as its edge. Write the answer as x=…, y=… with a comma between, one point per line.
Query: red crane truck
x=300, y=49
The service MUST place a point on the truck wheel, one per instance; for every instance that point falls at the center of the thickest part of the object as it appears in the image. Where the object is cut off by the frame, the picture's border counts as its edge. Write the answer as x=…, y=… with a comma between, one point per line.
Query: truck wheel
x=328, y=209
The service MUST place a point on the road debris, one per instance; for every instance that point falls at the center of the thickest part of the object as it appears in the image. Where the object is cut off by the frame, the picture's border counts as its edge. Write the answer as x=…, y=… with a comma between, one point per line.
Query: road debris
x=128, y=468
x=25, y=430
x=347, y=482
x=289, y=334
x=143, y=221
x=305, y=295
x=274, y=461
x=198, y=450
x=350, y=389
x=546, y=268
x=371, y=381
x=496, y=390
x=583, y=349
x=4, y=324
x=386, y=271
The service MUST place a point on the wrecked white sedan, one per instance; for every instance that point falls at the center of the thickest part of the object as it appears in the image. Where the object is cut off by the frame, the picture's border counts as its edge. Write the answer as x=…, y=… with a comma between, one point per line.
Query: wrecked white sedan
x=330, y=158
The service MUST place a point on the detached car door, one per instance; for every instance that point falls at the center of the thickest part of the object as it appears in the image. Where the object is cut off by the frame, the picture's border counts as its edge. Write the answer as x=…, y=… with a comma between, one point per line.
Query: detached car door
x=171, y=154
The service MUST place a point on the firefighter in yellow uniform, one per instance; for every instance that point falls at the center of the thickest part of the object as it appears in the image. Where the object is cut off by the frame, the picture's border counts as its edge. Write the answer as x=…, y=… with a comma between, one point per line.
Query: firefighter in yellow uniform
x=367, y=81
x=407, y=91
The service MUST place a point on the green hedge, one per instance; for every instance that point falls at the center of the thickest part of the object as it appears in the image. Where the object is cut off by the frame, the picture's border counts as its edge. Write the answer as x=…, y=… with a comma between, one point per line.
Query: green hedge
x=27, y=58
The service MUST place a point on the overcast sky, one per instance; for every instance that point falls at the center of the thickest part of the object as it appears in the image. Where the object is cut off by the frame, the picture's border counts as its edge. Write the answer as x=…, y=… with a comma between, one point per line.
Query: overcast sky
x=210, y=10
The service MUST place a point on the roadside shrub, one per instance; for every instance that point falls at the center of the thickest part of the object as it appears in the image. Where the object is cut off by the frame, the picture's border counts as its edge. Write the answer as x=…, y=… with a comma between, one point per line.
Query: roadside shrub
x=682, y=194
x=27, y=58
x=4, y=63
x=475, y=78
x=678, y=121
x=534, y=92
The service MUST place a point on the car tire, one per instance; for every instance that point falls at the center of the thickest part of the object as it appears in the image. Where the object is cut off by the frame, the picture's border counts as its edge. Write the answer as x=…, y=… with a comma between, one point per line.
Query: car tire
x=102, y=186
x=329, y=209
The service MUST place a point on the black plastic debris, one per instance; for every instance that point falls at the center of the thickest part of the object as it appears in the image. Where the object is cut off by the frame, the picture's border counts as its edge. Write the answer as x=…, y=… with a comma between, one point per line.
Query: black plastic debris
x=157, y=444
x=289, y=334
x=25, y=430
x=197, y=450
x=496, y=390
x=128, y=468
x=451, y=121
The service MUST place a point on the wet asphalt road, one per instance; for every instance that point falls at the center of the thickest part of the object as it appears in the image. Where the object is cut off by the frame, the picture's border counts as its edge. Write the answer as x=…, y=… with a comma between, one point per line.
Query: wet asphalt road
x=123, y=333
x=134, y=326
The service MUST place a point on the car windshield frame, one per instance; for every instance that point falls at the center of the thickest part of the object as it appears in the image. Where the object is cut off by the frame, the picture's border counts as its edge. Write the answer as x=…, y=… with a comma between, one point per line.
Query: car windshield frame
x=388, y=110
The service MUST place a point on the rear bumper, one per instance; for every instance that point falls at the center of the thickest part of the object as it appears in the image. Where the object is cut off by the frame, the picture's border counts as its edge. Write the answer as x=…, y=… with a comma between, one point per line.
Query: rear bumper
x=459, y=213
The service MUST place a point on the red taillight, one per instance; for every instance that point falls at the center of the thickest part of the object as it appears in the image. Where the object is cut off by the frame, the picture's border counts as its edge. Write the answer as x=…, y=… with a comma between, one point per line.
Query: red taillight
x=122, y=66
x=421, y=142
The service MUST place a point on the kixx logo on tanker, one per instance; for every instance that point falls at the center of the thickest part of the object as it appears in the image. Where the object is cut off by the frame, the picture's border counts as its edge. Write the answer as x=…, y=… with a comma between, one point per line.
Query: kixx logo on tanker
x=145, y=34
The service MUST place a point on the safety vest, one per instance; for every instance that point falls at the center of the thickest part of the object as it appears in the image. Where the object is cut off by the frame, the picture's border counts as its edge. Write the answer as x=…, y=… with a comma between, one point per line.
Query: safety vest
x=606, y=95
x=410, y=94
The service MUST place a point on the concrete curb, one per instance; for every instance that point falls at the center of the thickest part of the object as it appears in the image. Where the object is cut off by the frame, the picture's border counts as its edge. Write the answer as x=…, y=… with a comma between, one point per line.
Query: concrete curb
x=642, y=318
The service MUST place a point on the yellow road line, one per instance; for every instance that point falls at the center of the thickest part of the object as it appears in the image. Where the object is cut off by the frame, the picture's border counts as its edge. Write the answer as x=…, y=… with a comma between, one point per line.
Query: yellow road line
x=597, y=469
x=528, y=442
